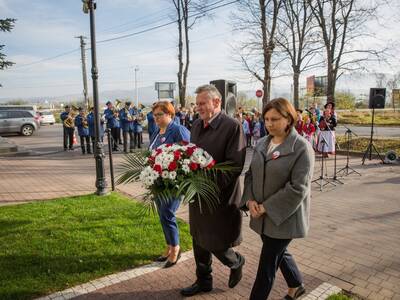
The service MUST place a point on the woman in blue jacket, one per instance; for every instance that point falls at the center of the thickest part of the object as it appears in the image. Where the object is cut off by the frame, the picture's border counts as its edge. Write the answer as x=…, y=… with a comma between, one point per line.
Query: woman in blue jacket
x=168, y=132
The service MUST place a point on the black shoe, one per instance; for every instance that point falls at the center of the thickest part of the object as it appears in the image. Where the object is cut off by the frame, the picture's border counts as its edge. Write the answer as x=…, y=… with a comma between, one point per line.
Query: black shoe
x=161, y=258
x=196, y=288
x=169, y=264
x=299, y=292
x=89, y=152
x=236, y=274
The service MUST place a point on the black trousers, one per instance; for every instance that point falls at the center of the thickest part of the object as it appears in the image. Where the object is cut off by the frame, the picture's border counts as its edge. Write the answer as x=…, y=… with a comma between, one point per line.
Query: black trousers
x=138, y=139
x=274, y=255
x=87, y=140
x=68, y=137
x=203, y=259
x=115, y=137
x=132, y=144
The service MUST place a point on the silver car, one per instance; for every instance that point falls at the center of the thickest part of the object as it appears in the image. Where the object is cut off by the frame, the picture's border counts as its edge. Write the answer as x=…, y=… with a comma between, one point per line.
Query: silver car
x=18, y=121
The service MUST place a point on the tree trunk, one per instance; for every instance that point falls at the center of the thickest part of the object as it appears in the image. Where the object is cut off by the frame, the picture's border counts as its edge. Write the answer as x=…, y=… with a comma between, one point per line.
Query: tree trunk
x=296, y=76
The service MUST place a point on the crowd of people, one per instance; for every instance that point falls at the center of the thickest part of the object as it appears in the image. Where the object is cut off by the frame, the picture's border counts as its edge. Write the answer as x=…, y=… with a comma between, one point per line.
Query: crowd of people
x=316, y=127
x=125, y=125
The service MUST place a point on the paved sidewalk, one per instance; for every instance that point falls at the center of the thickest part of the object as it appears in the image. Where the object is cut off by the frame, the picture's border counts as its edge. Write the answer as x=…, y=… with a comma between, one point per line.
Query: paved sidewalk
x=353, y=242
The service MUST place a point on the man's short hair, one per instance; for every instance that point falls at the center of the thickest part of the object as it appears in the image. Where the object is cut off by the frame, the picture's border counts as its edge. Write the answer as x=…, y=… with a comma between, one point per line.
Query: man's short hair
x=210, y=89
x=108, y=102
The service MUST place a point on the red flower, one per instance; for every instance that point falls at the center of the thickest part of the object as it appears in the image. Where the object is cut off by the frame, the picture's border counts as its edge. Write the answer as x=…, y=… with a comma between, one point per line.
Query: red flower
x=168, y=145
x=172, y=166
x=177, y=155
x=157, y=168
x=193, y=166
x=158, y=151
x=184, y=143
x=190, y=150
x=211, y=164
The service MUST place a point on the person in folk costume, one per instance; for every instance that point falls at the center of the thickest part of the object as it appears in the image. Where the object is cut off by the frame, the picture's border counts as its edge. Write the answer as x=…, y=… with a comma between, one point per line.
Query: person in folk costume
x=326, y=138
x=215, y=231
x=83, y=131
x=299, y=123
x=309, y=130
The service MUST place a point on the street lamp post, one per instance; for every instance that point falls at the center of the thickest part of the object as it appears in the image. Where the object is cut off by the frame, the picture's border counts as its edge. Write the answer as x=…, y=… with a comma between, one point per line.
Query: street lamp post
x=101, y=184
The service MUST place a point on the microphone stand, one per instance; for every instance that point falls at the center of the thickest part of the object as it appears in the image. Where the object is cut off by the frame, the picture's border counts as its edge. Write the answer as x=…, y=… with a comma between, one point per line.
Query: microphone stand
x=346, y=168
x=320, y=181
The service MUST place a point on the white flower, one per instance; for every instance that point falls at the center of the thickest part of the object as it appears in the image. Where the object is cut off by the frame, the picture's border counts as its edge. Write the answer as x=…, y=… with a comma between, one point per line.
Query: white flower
x=172, y=175
x=165, y=174
x=186, y=169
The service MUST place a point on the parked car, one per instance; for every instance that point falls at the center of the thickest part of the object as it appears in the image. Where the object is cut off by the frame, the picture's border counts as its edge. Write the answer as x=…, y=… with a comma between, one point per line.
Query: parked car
x=47, y=117
x=18, y=121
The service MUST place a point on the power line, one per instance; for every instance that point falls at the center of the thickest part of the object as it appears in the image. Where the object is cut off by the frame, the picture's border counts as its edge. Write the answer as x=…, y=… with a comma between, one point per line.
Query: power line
x=124, y=36
x=165, y=24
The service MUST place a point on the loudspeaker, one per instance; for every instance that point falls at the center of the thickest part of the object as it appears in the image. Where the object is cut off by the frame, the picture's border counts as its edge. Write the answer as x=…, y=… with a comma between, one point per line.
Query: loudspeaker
x=228, y=92
x=377, y=97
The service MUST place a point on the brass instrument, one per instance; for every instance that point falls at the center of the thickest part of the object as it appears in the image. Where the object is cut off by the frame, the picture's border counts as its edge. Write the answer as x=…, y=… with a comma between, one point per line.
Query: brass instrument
x=117, y=108
x=85, y=123
x=128, y=115
x=69, y=121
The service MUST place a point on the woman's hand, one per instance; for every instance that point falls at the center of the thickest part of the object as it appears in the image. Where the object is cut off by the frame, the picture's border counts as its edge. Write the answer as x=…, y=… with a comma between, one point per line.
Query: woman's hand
x=254, y=208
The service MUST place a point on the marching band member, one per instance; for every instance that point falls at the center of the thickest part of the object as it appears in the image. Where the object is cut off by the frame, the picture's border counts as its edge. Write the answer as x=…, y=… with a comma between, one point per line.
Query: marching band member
x=68, y=128
x=111, y=116
x=83, y=131
x=90, y=120
x=138, y=132
x=126, y=115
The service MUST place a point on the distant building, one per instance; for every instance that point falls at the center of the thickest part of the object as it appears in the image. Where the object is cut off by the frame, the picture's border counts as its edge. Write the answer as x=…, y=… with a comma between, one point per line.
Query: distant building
x=316, y=85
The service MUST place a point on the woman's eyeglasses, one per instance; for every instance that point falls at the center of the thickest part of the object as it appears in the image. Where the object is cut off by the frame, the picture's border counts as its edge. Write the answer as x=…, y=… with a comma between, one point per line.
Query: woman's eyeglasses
x=160, y=114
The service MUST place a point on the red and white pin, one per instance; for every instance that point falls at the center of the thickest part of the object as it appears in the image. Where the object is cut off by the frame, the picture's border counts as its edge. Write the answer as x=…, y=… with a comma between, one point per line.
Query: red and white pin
x=276, y=154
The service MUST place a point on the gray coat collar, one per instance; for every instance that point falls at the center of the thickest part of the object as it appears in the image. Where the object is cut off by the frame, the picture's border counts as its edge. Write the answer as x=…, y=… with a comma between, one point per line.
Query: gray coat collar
x=283, y=149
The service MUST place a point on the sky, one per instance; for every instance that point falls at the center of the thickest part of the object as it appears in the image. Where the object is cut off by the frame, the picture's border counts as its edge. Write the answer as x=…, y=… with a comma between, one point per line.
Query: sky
x=47, y=28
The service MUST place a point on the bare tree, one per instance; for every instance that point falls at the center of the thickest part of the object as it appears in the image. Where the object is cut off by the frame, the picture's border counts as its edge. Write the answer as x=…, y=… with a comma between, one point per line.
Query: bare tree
x=393, y=83
x=296, y=36
x=257, y=20
x=342, y=25
x=196, y=10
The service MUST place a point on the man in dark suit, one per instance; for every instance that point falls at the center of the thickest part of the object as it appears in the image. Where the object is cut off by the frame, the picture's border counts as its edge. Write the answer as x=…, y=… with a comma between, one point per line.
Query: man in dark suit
x=217, y=231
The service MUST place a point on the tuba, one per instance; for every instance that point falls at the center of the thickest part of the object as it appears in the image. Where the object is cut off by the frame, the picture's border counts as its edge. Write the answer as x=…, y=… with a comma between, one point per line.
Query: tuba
x=69, y=121
x=117, y=108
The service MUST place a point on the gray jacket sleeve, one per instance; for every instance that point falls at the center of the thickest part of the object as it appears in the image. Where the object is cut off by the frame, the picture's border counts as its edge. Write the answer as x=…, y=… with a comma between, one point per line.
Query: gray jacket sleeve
x=248, y=190
x=281, y=205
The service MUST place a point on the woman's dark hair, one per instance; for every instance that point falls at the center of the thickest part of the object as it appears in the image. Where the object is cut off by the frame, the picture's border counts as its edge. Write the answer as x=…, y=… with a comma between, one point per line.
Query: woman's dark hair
x=331, y=103
x=284, y=108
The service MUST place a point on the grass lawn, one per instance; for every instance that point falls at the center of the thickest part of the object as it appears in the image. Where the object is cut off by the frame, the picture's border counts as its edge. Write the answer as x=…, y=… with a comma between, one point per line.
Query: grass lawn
x=360, y=144
x=382, y=118
x=339, y=296
x=53, y=245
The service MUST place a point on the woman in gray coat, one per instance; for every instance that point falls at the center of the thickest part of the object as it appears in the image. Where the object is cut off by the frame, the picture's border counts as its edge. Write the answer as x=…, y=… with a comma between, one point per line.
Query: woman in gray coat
x=277, y=193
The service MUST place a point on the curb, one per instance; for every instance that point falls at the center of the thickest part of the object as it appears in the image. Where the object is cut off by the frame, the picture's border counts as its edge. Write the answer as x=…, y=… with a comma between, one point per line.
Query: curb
x=322, y=292
x=109, y=280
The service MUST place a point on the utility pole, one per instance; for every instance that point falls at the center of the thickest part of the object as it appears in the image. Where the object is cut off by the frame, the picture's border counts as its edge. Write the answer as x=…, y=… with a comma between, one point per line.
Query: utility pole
x=101, y=184
x=83, y=58
x=136, y=87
